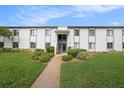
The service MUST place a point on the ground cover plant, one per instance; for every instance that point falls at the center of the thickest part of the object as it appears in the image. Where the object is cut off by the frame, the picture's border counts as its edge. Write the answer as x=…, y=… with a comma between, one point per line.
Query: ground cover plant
x=103, y=70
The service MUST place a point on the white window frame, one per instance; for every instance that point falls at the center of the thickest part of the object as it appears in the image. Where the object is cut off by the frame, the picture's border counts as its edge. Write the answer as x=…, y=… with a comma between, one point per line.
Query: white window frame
x=16, y=43
x=47, y=32
x=76, y=32
x=92, y=32
x=31, y=44
x=110, y=32
x=15, y=32
x=76, y=45
x=33, y=32
x=108, y=47
x=91, y=45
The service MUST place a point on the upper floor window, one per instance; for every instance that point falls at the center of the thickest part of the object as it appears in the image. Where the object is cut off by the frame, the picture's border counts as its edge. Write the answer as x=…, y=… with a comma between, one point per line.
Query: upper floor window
x=15, y=32
x=91, y=45
x=47, y=32
x=32, y=32
x=122, y=32
x=109, y=32
x=91, y=32
x=109, y=45
x=15, y=44
x=76, y=45
x=76, y=32
x=33, y=45
x=1, y=44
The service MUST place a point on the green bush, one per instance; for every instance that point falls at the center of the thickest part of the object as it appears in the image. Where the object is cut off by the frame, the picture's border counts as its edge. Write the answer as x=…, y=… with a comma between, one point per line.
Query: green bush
x=50, y=55
x=35, y=57
x=38, y=52
x=44, y=58
x=67, y=57
x=15, y=50
x=50, y=49
x=74, y=52
x=85, y=55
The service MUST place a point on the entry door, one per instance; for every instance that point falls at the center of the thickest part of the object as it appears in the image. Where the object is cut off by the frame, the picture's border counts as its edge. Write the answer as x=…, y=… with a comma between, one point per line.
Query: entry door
x=62, y=43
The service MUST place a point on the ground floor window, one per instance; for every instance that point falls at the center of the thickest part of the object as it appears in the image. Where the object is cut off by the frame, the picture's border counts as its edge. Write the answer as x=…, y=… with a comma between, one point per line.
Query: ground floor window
x=33, y=45
x=76, y=45
x=109, y=45
x=1, y=44
x=47, y=44
x=91, y=45
x=15, y=44
x=123, y=45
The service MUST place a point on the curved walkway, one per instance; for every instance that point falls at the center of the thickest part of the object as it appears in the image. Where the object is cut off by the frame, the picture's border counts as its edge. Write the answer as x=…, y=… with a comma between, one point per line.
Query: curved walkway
x=50, y=77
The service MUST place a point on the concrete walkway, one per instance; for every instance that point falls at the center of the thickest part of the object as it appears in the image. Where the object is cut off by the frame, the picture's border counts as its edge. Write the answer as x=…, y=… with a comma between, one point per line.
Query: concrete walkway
x=50, y=77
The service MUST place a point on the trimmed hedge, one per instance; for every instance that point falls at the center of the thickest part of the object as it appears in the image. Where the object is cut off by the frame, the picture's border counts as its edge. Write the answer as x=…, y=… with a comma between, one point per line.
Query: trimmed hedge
x=14, y=50
x=74, y=52
x=50, y=49
x=67, y=57
x=45, y=58
x=85, y=55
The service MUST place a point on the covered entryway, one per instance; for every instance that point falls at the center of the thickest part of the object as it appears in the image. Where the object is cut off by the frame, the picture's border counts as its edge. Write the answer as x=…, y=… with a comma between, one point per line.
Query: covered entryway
x=62, y=36
x=62, y=43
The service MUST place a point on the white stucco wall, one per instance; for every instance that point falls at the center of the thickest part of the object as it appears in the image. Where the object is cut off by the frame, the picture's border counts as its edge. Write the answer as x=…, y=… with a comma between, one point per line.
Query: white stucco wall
x=101, y=40
x=118, y=39
x=84, y=38
x=24, y=38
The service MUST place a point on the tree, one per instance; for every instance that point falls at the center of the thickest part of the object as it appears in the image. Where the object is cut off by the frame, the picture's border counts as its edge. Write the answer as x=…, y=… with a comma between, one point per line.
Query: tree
x=5, y=32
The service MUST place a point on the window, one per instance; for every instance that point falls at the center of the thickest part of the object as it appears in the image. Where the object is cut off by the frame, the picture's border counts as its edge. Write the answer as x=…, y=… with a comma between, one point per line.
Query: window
x=47, y=33
x=91, y=45
x=76, y=32
x=91, y=32
x=32, y=32
x=15, y=44
x=47, y=44
x=15, y=32
x=109, y=32
x=110, y=45
x=76, y=45
x=123, y=45
x=33, y=45
x=1, y=44
x=122, y=32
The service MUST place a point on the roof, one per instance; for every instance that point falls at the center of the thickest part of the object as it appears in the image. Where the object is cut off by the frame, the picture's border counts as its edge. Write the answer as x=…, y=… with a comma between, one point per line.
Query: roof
x=63, y=26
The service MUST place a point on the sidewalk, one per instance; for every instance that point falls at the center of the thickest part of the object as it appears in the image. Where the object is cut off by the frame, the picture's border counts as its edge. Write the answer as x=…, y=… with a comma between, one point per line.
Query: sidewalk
x=50, y=77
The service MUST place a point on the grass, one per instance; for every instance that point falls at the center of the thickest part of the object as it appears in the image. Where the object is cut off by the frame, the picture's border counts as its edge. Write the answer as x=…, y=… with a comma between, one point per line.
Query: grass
x=104, y=70
x=18, y=70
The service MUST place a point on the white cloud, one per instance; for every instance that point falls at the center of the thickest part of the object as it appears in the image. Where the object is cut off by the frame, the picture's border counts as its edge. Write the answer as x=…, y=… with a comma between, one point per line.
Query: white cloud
x=88, y=10
x=115, y=23
x=38, y=15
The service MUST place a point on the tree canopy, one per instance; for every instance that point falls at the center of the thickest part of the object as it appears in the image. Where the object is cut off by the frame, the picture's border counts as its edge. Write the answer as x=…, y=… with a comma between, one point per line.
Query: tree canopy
x=5, y=32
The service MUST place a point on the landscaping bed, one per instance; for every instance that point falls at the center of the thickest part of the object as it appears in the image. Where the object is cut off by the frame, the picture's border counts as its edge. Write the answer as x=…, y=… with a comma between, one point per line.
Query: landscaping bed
x=103, y=70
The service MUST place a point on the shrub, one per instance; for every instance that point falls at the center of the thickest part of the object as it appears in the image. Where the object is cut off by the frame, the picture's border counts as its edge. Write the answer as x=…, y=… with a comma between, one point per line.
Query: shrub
x=74, y=52
x=84, y=55
x=50, y=55
x=35, y=57
x=67, y=57
x=44, y=58
x=50, y=49
x=38, y=52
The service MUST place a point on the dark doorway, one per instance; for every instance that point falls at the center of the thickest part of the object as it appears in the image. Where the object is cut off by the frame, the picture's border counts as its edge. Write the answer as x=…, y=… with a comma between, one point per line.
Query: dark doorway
x=62, y=43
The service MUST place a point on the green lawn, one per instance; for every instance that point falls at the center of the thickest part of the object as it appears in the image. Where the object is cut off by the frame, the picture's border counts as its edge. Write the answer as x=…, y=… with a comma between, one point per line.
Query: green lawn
x=104, y=70
x=18, y=70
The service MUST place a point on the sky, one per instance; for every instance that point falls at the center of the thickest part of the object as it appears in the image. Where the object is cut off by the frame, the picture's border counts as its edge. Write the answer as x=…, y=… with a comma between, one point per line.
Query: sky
x=61, y=15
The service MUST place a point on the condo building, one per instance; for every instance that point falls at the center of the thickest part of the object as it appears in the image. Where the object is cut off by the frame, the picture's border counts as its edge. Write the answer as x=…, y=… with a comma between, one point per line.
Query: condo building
x=92, y=38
